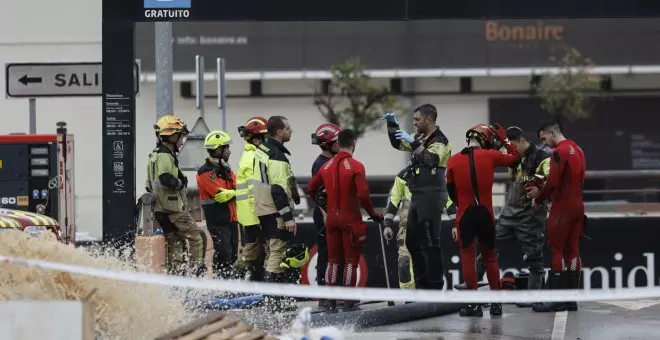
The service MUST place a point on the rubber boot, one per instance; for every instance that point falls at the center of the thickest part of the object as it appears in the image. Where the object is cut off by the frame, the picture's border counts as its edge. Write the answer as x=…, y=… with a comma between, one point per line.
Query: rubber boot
x=331, y=306
x=574, y=277
x=495, y=309
x=278, y=304
x=471, y=310
x=558, y=280
x=350, y=306
x=534, y=282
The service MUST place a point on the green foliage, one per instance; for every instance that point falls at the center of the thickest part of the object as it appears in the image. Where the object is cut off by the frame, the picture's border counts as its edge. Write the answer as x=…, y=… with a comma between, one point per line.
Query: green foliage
x=565, y=93
x=353, y=100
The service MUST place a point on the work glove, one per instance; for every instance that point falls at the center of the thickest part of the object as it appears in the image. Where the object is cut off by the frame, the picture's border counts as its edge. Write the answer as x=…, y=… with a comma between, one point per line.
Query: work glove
x=225, y=195
x=500, y=133
x=400, y=134
x=390, y=117
x=388, y=233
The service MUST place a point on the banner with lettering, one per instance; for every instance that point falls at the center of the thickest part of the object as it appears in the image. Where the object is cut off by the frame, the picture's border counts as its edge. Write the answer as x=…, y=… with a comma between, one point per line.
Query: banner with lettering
x=431, y=44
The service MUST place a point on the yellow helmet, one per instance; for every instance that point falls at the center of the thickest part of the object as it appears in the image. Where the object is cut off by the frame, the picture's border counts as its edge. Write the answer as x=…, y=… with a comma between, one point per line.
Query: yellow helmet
x=169, y=125
x=216, y=139
x=295, y=256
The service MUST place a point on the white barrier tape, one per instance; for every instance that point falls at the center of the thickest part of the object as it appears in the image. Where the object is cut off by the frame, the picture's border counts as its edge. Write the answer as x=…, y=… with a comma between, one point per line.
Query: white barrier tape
x=341, y=293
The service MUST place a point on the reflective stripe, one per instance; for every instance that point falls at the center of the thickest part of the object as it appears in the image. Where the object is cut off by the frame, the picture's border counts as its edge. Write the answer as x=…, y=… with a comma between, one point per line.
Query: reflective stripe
x=241, y=186
x=452, y=216
x=208, y=202
x=284, y=210
x=242, y=197
x=389, y=216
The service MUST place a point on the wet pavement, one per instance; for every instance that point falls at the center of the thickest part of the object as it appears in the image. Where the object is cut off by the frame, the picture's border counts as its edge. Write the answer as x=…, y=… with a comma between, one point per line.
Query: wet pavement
x=595, y=320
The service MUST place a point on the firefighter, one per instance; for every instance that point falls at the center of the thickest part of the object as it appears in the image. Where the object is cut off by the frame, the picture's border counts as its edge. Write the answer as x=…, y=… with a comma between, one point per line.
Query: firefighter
x=518, y=221
x=347, y=190
x=567, y=219
x=430, y=149
x=325, y=137
x=251, y=259
x=470, y=177
x=168, y=183
x=399, y=201
x=276, y=194
x=217, y=190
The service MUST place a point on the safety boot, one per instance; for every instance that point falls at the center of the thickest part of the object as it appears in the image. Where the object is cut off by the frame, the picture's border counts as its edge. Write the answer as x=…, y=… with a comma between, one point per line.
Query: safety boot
x=278, y=304
x=557, y=280
x=350, y=306
x=534, y=282
x=495, y=309
x=472, y=309
x=574, y=277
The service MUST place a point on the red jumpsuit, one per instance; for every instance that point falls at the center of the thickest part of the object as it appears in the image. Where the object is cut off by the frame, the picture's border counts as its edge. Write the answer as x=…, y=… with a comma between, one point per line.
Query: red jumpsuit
x=459, y=183
x=346, y=187
x=566, y=220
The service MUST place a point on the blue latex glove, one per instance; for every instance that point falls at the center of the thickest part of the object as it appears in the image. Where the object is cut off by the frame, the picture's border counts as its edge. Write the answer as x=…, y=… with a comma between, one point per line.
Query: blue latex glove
x=390, y=117
x=400, y=134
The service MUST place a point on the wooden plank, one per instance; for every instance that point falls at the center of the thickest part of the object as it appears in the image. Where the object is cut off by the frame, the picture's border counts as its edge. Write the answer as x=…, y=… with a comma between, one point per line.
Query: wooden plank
x=183, y=330
x=206, y=330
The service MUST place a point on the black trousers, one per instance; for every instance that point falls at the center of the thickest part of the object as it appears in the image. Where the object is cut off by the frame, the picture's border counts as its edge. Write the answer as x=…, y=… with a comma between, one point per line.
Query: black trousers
x=423, y=239
x=225, y=245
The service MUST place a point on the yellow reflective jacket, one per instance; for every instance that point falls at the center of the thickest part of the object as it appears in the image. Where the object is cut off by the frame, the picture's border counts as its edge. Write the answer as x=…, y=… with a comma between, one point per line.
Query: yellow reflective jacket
x=272, y=167
x=166, y=181
x=245, y=200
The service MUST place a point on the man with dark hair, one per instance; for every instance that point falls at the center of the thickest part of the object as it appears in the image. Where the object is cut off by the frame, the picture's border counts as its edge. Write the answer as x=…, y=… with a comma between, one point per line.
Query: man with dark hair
x=566, y=221
x=347, y=189
x=430, y=149
x=518, y=221
x=274, y=188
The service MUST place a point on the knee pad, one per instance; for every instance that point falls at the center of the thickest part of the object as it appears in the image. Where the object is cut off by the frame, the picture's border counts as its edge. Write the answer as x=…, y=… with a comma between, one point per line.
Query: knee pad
x=404, y=269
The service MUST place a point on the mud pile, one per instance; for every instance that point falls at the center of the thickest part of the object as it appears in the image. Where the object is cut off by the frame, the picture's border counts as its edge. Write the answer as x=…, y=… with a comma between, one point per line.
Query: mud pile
x=124, y=310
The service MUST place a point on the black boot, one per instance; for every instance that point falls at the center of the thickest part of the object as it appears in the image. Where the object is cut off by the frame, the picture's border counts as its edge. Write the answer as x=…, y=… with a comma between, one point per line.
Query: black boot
x=350, y=306
x=278, y=304
x=557, y=280
x=574, y=277
x=330, y=306
x=471, y=310
x=534, y=282
x=495, y=309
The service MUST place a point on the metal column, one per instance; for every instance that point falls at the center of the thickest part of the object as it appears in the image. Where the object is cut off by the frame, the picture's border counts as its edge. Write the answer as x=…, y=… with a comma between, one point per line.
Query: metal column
x=164, y=69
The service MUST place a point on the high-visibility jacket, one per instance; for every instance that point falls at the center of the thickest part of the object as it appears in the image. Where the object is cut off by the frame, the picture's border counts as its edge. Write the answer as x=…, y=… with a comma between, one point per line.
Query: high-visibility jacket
x=272, y=168
x=212, y=177
x=166, y=181
x=244, y=199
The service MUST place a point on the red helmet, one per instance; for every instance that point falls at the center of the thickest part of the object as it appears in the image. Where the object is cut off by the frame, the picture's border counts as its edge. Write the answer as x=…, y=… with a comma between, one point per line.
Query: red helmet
x=325, y=134
x=253, y=126
x=482, y=133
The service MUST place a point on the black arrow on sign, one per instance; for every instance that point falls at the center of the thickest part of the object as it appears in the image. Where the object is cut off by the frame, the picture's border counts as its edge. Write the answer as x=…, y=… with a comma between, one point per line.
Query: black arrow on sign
x=28, y=80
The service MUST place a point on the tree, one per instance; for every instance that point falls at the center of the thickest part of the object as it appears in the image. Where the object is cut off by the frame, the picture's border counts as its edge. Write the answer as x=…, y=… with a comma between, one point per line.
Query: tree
x=565, y=93
x=353, y=101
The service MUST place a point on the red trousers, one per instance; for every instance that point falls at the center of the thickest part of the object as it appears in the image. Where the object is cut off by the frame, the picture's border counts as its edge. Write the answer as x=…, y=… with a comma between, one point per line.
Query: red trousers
x=564, y=233
x=468, y=263
x=345, y=244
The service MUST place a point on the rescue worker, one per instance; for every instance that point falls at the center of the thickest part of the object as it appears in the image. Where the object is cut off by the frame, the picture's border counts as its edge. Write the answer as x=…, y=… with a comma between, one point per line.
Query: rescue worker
x=250, y=263
x=166, y=180
x=567, y=219
x=347, y=190
x=217, y=190
x=274, y=189
x=430, y=149
x=325, y=137
x=518, y=221
x=470, y=177
x=399, y=201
